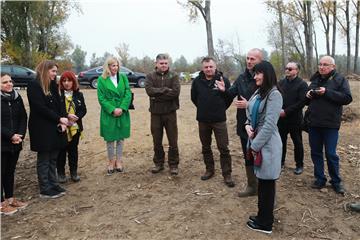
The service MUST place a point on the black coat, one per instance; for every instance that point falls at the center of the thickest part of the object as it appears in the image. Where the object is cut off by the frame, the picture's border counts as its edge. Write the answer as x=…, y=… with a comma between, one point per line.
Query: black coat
x=211, y=104
x=293, y=93
x=80, y=107
x=326, y=110
x=243, y=86
x=13, y=121
x=45, y=114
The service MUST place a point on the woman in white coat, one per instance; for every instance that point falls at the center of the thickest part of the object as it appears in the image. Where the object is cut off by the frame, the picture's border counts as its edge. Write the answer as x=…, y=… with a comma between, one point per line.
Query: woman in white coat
x=264, y=146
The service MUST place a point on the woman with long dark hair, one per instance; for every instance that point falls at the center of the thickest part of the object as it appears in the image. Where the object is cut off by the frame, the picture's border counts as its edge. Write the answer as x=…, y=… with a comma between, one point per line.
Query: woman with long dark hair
x=47, y=125
x=264, y=145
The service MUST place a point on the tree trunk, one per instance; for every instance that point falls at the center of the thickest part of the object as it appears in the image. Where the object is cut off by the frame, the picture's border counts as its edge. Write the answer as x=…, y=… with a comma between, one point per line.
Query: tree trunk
x=348, y=54
x=209, y=35
x=334, y=31
x=308, y=36
x=283, y=52
x=357, y=36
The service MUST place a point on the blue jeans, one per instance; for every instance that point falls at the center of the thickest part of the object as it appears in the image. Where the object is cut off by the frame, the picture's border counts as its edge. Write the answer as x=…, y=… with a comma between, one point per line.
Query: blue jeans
x=318, y=139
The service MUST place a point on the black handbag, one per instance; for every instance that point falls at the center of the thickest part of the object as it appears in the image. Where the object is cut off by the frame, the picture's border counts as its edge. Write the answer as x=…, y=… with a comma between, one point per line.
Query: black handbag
x=131, y=105
x=305, y=124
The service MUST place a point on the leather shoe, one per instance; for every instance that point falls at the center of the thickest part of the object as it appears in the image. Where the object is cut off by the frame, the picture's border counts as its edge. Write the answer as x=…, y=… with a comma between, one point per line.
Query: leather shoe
x=256, y=227
x=207, y=175
x=157, y=169
x=317, y=185
x=298, y=170
x=228, y=181
x=339, y=188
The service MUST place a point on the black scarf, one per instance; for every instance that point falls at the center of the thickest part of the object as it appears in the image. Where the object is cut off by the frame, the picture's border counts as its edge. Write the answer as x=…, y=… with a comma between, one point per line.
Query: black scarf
x=9, y=96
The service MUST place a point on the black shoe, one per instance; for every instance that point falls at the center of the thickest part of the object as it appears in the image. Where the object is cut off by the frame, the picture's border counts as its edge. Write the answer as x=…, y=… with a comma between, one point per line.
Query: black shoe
x=228, y=181
x=207, y=175
x=62, y=178
x=298, y=170
x=317, y=185
x=50, y=194
x=339, y=188
x=253, y=218
x=119, y=169
x=59, y=189
x=110, y=172
x=157, y=169
x=254, y=226
x=75, y=177
x=174, y=171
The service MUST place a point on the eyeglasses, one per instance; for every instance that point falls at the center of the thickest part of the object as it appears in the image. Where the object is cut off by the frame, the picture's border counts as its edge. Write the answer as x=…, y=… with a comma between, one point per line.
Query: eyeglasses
x=289, y=68
x=325, y=64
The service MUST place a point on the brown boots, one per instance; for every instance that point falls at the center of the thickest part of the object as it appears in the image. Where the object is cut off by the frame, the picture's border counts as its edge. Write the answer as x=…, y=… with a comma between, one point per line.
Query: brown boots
x=251, y=188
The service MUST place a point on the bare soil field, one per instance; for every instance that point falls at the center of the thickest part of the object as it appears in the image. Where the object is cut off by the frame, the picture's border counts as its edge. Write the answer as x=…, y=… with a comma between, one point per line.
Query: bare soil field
x=137, y=204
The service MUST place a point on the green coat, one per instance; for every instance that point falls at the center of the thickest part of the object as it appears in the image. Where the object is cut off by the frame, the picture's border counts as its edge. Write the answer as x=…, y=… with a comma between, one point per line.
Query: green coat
x=114, y=128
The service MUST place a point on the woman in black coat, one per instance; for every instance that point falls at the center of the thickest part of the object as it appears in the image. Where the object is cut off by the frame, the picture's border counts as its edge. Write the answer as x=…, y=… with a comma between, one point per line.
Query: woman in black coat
x=47, y=124
x=74, y=105
x=13, y=129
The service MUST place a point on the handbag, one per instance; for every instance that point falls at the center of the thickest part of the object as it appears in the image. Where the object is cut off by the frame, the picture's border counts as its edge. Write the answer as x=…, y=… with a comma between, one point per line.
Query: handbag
x=305, y=124
x=131, y=105
x=256, y=159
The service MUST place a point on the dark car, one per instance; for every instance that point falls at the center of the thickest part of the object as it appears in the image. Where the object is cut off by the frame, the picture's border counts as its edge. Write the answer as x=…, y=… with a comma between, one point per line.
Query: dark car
x=20, y=75
x=90, y=77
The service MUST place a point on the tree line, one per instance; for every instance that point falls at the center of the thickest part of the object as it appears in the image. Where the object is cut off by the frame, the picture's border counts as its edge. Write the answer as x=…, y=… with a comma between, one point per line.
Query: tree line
x=32, y=31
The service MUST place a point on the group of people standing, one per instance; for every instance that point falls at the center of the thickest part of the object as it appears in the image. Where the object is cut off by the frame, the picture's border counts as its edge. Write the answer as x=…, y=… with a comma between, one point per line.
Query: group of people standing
x=267, y=112
x=55, y=126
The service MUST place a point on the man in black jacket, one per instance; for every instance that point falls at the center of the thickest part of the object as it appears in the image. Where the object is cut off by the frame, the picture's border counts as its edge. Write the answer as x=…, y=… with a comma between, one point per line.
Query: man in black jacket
x=328, y=92
x=243, y=88
x=211, y=107
x=293, y=92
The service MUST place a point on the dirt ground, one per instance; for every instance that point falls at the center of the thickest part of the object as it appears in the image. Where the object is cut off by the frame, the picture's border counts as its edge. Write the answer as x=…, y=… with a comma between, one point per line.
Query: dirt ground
x=140, y=205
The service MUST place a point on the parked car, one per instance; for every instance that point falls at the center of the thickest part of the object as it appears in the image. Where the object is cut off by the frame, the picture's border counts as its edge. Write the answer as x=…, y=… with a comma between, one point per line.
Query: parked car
x=194, y=75
x=90, y=77
x=19, y=74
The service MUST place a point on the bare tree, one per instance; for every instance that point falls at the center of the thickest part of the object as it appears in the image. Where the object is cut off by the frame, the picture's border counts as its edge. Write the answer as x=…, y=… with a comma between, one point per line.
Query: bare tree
x=123, y=52
x=202, y=6
x=324, y=10
x=357, y=6
x=346, y=31
x=334, y=12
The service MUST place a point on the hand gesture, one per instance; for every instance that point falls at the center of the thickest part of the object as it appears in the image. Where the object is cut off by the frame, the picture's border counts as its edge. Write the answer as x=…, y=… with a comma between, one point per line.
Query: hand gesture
x=117, y=112
x=282, y=113
x=72, y=118
x=64, y=121
x=241, y=103
x=249, y=131
x=220, y=84
x=16, y=138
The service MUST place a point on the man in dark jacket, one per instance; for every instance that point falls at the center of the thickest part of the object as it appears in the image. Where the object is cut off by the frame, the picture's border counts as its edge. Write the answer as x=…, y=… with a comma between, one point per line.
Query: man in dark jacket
x=293, y=92
x=327, y=93
x=243, y=88
x=163, y=88
x=211, y=107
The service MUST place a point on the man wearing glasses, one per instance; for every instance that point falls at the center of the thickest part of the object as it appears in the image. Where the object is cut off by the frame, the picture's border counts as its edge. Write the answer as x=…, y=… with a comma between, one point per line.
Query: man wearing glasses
x=163, y=88
x=293, y=91
x=327, y=93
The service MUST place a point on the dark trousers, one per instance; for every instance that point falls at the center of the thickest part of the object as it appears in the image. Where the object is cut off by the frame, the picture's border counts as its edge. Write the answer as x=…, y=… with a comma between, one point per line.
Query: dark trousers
x=158, y=123
x=222, y=142
x=296, y=137
x=244, y=141
x=8, y=166
x=266, y=197
x=72, y=151
x=327, y=138
x=46, y=170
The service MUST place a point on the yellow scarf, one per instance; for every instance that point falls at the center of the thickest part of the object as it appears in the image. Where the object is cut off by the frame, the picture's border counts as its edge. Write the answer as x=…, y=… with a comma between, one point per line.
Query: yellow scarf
x=70, y=109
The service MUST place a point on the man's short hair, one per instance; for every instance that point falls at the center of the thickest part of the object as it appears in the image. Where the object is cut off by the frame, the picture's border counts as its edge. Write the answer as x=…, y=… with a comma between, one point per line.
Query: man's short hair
x=298, y=66
x=208, y=59
x=162, y=56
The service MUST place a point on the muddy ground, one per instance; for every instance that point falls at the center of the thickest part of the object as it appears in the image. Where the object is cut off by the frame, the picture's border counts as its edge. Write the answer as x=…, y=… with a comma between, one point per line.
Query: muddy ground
x=140, y=205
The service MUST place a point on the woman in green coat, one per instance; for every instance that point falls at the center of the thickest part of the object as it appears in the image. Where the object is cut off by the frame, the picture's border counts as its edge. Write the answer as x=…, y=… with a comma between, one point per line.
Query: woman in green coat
x=114, y=96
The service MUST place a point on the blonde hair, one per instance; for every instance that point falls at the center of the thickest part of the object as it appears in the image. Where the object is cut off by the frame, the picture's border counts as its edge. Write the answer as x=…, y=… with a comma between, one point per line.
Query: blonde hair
x=42, y=73
x=106, y=70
